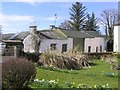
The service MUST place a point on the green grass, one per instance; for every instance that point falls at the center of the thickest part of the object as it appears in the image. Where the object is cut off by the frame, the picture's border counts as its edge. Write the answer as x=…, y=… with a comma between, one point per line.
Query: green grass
x=91, y=76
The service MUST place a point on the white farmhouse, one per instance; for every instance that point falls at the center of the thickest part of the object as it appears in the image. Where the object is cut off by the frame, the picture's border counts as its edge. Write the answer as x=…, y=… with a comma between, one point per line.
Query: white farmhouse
x=61, y=40
x=49, y=40
x=117, y=38
x=89, y=41
x=95, y=44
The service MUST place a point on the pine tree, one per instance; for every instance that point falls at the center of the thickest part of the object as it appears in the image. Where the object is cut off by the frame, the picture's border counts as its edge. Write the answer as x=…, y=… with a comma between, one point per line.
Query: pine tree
x=77, y=16
x=91, y=23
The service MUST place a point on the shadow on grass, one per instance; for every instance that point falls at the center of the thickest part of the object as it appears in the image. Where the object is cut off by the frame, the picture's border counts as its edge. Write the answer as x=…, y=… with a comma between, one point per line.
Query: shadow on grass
x=25, y=88
x=93, y=64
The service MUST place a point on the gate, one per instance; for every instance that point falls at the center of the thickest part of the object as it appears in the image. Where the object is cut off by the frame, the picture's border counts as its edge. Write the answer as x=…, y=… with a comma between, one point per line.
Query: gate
x=8, y=51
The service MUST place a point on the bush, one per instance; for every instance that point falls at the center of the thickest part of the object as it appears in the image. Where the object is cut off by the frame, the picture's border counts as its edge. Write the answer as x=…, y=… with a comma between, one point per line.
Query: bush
x=70, y=60
x=17, y=73
x=34, y=57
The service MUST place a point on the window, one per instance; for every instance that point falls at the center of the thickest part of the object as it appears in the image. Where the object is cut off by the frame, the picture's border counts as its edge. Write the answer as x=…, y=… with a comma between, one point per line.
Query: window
x=97, y=49
x=89, y=48
x=64, y=48
x=53, y=46
x=100, y=48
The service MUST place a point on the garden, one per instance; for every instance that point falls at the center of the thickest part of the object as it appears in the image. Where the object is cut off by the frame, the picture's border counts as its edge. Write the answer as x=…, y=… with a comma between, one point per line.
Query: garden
x=74, y=70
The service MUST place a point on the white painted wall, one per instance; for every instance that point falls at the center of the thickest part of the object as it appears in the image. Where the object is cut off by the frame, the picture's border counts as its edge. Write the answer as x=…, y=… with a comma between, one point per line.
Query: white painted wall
x=116, y=38
x=94, y=42
x=45, y=44
x=31, y=44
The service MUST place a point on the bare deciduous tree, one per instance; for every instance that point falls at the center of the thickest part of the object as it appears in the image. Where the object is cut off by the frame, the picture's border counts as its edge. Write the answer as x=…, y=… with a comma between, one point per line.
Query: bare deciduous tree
x=109, y=18
x=65, y=25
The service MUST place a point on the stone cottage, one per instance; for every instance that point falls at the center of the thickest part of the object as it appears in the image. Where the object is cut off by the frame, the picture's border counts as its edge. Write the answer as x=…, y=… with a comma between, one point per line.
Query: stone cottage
x=62, y=40
x=41, y=41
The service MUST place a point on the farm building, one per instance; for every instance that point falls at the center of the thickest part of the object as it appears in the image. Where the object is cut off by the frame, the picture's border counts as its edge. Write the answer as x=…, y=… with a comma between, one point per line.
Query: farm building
x=117, y=38
x=46, y=40
x=57, y=39
x=63, y=40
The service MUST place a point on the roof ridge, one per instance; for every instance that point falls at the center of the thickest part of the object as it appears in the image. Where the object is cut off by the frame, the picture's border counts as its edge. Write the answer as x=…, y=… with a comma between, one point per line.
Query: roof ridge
x=88, y=34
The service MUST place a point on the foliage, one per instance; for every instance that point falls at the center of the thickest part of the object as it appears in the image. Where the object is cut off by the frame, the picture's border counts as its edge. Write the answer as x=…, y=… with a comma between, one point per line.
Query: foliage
x=91, y=23
x=17, y=73
x=94, y=86
x=68, y=60
x=111, y=74
x=34, y=57
x=77, y=16
x=55, y=84
x=91, y=76
x=45, y=83
x=59, y=70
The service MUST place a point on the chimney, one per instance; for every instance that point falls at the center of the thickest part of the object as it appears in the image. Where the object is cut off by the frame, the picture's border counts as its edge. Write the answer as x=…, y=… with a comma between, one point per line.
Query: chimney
x=33, y=29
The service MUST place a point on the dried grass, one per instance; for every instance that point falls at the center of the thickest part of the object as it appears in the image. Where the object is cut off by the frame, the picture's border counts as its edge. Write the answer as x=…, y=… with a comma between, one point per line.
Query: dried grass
x=68, y=60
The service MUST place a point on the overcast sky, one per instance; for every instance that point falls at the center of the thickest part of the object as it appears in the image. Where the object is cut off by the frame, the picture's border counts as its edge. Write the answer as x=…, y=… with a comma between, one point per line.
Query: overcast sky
x=17, y=16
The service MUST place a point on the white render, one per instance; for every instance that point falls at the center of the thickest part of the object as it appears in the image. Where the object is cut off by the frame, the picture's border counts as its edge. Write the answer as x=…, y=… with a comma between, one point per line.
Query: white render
x=45, y=44
x=116, y=38
x=94, y=42
x=31, y=44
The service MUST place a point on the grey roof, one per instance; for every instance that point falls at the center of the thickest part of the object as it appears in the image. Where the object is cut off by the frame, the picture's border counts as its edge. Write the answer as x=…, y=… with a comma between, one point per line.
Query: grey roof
x=52, y=34
x=81, y=34
x=20, y=36
x=7, y=36
x=43, y=34
x=94, y=33
x=76, y=34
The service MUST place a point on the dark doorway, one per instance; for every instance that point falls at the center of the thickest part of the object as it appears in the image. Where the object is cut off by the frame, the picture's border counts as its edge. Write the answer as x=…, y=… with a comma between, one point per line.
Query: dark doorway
x=89, y=48
x=110, y=45
x=64, y=48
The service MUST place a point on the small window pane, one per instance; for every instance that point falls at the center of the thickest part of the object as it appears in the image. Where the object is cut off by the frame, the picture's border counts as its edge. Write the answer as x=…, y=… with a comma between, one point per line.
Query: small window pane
x=53, y=46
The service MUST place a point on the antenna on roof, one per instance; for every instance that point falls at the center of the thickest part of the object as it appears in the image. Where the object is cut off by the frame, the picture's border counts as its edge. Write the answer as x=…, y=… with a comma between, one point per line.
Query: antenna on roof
x=33, y=23
x=55, y=19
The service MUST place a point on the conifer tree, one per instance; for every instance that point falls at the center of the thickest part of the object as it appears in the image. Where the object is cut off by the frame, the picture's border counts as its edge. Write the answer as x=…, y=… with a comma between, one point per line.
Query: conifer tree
x=77, y=16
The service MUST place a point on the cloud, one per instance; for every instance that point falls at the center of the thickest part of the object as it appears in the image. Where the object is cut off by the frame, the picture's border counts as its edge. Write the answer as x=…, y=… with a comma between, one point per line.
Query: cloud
x=10, y=23
x=33, y=1
x=15, y=18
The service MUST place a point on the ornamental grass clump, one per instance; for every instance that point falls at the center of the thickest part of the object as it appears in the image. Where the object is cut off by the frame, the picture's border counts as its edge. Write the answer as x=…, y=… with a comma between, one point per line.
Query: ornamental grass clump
x=17, y=73
x=67, y=60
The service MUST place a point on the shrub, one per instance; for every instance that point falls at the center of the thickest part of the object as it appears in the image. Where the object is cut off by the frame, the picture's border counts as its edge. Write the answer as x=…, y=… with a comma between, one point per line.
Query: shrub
x=70, y=60
x=34, y=57
x=17, y=73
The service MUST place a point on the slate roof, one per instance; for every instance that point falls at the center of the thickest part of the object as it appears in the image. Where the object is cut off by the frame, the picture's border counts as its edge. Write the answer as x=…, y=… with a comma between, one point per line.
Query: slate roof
x=7, y=36
x=20, y=36
x=52, y=34
x=81, y=34
x=94, y=33
x=43, y=34
x=77, y=34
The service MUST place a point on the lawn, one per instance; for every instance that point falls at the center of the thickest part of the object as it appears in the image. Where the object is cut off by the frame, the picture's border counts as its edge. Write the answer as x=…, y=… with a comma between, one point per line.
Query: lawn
x=98, y=74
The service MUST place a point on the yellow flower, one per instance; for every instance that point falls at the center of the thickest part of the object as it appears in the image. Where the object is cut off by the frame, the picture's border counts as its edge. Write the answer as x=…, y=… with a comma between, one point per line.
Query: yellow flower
x=95, y=86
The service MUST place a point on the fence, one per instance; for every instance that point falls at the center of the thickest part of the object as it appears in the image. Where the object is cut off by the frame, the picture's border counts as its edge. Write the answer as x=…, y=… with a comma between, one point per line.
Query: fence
x=8, y=52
